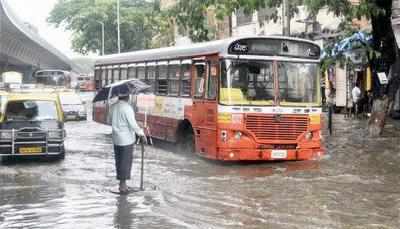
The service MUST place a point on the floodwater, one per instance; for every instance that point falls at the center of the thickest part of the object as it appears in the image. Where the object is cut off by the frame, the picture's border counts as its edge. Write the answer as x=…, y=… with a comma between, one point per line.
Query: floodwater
x=355, y=185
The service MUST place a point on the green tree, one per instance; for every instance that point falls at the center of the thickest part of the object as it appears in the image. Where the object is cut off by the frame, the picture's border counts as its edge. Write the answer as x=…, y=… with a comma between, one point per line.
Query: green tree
x=139, y=22
x=191, y=15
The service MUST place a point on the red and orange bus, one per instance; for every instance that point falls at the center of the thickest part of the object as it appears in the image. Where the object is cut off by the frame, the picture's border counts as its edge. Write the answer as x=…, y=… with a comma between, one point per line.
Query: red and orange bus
x=53, y=78
x=253, y=98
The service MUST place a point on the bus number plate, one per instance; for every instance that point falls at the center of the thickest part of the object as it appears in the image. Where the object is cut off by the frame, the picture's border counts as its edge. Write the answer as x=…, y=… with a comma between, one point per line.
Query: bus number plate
x=279, y=154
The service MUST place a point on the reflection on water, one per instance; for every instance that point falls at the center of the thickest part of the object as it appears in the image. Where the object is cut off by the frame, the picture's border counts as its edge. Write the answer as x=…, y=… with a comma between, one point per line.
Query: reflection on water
x=354, y=186
x=123, y=217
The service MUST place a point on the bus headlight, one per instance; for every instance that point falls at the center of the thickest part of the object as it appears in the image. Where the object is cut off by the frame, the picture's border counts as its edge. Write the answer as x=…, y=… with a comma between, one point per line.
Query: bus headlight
x=309, y=136
x=224, y=135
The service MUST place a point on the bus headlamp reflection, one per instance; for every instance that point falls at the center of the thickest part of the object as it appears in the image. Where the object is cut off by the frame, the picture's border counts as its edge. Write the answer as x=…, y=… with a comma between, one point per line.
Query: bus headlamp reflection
x=309, y=136
x=5, y=135
x=238, y=135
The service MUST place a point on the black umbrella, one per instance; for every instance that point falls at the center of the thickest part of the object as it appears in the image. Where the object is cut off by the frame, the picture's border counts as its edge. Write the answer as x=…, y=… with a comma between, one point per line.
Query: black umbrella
x=125, y=87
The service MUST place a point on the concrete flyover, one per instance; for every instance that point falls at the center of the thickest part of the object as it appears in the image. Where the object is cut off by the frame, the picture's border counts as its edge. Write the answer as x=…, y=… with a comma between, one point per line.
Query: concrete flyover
x=23, y=50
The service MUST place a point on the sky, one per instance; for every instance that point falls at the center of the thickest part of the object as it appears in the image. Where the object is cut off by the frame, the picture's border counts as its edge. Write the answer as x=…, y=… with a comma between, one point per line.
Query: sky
x=36, y=12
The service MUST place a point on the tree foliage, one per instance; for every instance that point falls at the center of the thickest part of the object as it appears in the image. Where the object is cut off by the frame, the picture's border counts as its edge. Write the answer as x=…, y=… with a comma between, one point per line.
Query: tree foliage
x=140, y=20
x=191, y=15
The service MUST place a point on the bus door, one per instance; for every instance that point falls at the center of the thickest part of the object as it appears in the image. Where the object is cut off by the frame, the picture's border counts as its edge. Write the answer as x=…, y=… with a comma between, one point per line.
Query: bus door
x=204, y=112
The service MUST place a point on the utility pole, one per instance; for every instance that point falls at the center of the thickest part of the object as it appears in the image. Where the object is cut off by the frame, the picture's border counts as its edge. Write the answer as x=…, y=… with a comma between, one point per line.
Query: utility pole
x=102, y=37
x=118, y=29
x=285, y=18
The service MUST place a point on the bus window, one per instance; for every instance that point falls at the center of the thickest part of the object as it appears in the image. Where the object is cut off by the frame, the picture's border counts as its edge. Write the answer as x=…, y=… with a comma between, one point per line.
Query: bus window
x=162, y=82
x=212, y=82
x=110, y=78
x=97, y=78
x=132, y=72
x=103, y=77
x=116, y=76
x=151, y=75
x=124, y=73
x=186, y=83
x=141, y=73
x=173, y=79
x=200, y=79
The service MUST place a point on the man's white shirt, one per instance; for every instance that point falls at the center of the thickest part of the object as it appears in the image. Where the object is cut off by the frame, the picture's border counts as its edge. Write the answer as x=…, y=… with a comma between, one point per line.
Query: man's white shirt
x=356, y=93
x=124, y=125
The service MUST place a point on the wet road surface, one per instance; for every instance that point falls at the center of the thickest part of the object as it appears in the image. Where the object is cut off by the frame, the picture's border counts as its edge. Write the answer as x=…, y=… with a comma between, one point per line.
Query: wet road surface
x=355, y=185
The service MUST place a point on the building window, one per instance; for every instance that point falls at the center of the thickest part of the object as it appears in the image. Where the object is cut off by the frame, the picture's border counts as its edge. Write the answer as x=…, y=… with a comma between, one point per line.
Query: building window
x=265, y=14
x=243, y=18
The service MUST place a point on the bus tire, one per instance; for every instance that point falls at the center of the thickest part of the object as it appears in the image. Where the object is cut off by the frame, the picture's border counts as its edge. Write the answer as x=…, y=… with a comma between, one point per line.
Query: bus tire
x=187, y=146
x=186, y=140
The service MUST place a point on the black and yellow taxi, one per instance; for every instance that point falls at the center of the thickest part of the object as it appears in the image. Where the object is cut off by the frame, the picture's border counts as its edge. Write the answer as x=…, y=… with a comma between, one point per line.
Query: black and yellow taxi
x=31, y=124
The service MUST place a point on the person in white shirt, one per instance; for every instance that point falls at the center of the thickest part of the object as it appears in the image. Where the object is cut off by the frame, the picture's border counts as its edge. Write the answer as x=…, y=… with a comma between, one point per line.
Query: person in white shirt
x=355, y=96
x=124, y=128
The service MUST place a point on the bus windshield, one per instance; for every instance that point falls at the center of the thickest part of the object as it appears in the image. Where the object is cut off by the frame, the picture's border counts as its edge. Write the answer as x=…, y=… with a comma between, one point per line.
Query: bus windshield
x=298, y=83
x=247, y=82
x=53, y=78
x=51, y=81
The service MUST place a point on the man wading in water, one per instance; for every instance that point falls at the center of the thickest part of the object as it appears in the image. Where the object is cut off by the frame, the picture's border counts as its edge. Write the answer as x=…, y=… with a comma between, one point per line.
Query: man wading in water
x=124, y=127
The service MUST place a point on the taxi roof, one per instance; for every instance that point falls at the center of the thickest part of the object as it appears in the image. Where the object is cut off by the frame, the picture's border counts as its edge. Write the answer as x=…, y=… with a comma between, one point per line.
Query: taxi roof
x=32, y=96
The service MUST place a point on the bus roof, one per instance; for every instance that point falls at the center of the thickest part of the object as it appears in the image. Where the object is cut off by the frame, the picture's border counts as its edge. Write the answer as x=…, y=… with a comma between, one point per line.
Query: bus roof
x=200, y=49
x=51, y=70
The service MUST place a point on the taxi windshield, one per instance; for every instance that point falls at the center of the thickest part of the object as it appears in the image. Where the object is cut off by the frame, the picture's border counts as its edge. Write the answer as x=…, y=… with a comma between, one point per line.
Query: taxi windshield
x=31, y=110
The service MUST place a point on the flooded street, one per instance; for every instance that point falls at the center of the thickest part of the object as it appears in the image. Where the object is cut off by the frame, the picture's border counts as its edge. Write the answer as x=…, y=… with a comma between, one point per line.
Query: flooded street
x=355, y=185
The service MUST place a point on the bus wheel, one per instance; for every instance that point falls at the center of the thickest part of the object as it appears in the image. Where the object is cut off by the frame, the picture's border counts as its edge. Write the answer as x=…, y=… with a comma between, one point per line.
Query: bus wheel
x=187, y=146
x=186, y=141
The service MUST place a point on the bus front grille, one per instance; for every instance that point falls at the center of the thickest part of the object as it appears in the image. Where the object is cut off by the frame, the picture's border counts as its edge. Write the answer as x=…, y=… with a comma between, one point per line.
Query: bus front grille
x=273, y=127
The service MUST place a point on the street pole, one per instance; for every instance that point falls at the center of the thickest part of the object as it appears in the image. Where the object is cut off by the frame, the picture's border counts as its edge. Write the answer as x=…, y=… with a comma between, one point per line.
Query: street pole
x=118, y=28
x=102, y=37
x=285, y=18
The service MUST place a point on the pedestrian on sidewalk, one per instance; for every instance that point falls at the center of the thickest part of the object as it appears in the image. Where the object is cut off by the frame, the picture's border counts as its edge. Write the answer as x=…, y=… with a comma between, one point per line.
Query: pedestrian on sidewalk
x=124, y=128
x=355, y=96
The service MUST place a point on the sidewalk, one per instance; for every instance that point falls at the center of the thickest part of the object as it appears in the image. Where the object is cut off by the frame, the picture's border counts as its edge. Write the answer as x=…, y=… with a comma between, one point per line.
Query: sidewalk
x=342, y=124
